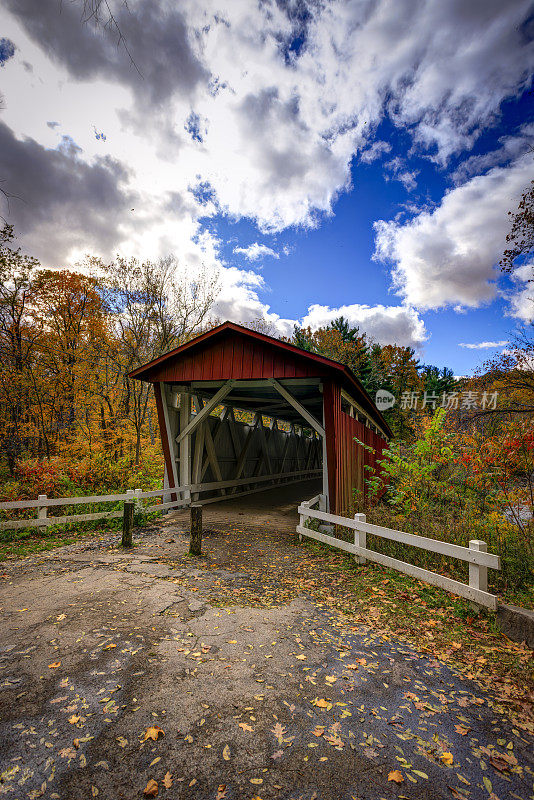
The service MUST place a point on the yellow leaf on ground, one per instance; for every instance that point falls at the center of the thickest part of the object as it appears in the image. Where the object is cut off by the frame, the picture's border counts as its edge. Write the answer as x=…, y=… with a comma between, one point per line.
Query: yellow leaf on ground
x=221, y=792
x=245, y=727
x=226, y=752
x=153, y=732
x=55, y=665
x=167, y=780
x=301, y=657
x=74, y=719
x=447, y=758
x=151, y=789
x=396, y=775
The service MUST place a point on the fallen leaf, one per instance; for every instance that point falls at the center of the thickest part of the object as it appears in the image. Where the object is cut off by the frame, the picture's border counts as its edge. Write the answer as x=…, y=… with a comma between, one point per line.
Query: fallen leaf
x=245, y=727
x=447, y=758
x=76, y=743
x=153, y=732
x=301, y=657
x=279, y=732
x=55, y=665
x=320, y=703
x=256, y=781
x=278, y=754
x=396, y=775
x=74, y=719
x=499, y=763
x=226, y=752
x=151, y=789
x=318, y=730
x=221, y=792
x=167, y=780
x=462, y=730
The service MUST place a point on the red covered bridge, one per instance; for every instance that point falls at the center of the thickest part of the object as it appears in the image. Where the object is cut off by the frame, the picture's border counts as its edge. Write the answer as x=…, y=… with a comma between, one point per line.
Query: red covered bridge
x=240, y=412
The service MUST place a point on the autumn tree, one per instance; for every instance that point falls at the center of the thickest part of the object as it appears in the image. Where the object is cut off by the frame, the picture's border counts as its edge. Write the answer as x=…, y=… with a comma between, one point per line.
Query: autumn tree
x=155, y=306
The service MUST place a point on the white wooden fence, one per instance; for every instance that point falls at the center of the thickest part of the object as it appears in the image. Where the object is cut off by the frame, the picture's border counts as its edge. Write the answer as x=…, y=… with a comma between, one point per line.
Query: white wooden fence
x=476, y=554
x=43, y=503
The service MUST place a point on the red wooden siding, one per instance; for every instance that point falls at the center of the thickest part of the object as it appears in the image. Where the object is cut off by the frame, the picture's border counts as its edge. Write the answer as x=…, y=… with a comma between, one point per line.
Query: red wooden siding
x=235, y=356
x=351, y=459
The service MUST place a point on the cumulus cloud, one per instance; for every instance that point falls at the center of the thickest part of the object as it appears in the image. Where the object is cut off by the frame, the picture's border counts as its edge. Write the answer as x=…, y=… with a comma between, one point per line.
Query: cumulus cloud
x=220, y=97
x=482, y=345
x=446, y=256
x=238, y=301
x=385, y=324
x=159, y=58
x=522, y=299
x=59, y=201
x=255, y=251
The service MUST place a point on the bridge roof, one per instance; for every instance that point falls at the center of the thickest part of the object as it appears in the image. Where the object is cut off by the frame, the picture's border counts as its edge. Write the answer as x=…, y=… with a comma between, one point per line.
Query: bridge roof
x=233, y=352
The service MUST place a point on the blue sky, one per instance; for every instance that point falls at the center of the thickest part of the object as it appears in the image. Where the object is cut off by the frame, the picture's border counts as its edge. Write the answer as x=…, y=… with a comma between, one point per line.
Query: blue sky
x=320, y=157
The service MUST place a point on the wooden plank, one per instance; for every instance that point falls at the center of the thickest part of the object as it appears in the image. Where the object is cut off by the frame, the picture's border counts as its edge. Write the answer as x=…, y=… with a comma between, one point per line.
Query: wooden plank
x=422, y=542
x=74, y=501
x=450, y=585
x=206, y=487
x=217, y=398
x=298, y=407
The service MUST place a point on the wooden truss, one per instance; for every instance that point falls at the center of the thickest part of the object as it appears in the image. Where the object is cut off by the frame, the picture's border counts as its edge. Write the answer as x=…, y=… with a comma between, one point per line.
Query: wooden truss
x=216, y=454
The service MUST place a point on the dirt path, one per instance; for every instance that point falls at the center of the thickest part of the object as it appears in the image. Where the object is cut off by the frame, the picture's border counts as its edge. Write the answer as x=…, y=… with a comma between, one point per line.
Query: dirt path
x=260, y=689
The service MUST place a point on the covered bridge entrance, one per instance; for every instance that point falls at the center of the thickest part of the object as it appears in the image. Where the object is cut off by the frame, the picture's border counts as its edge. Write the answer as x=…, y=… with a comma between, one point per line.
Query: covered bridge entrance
x=239, y=412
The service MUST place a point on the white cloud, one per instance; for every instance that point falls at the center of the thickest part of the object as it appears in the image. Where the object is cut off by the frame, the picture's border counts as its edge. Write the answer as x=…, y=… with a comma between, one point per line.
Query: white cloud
x=269, y=133
x=375, y=151
x=385, y=324
x=522, y=299
x=255, y=251
x=482, y=345
x=447, y=256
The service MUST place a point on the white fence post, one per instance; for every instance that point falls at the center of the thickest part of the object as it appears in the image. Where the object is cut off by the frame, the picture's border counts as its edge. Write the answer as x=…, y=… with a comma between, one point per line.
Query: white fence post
x=42, y=511
x=303, y=518
x=478, y=576
x=138, y=504
x=360, y=539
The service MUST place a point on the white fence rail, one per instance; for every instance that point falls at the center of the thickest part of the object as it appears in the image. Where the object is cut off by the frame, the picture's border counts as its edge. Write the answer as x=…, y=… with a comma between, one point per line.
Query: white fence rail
x=43, y=503
x=476, y=554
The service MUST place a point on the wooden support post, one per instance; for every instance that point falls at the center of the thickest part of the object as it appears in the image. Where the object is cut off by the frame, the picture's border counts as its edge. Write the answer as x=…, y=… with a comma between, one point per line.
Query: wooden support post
x=127, y=520
x=195, y=545
x=42, y=511
x=360, y=539
x=185, y=444
x=478, y=576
